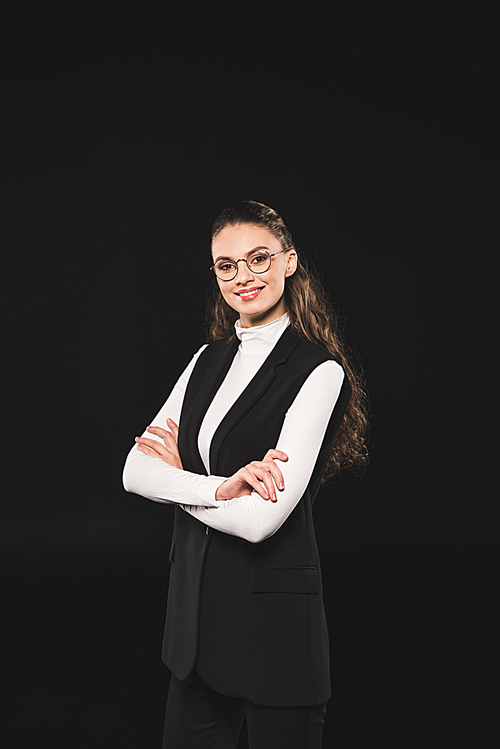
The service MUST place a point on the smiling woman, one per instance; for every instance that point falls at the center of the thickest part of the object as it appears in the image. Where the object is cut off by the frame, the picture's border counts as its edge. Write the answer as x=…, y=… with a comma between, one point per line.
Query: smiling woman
x=264, y=411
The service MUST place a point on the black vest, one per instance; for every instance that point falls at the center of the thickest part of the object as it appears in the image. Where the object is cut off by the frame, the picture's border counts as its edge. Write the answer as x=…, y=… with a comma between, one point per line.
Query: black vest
x=250, y=617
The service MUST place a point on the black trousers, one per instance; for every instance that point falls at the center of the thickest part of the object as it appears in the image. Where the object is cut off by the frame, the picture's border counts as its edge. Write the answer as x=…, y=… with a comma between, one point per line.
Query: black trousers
x=197, y=717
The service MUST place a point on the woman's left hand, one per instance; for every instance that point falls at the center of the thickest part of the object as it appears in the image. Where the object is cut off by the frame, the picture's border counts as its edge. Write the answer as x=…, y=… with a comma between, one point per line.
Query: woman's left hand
x=168, y=451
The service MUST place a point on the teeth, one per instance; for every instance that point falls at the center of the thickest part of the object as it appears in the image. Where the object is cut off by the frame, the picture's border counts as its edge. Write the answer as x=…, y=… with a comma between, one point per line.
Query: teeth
x=248, y=293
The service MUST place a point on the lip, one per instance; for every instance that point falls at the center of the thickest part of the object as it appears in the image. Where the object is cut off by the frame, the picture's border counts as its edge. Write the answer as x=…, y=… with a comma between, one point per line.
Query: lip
x=249, y=294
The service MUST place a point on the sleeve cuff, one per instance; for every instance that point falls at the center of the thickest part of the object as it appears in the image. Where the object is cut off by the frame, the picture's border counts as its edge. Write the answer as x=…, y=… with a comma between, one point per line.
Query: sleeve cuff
x=207, y=488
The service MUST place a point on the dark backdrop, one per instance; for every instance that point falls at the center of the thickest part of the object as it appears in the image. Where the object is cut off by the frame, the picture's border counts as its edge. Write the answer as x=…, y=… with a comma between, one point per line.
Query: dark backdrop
x=127, y=131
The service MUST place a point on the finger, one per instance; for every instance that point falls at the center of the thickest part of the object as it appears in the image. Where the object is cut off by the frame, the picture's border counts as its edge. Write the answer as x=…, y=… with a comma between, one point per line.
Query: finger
x=263, y=474
x=277, y=475
x=276, y=455
x=274, y=469
x=271, y=467
x=269, y=484
x=167, y=437
x=175, y=429
x=159, y=431
x=153, y=445
x=148, y=451
x=254, y=482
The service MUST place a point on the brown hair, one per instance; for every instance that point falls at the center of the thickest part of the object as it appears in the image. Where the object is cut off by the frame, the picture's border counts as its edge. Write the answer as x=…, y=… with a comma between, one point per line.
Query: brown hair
x=313, y=317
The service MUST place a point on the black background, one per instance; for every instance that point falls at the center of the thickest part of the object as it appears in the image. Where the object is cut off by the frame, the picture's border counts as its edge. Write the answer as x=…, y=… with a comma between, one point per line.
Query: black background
x=127, y=130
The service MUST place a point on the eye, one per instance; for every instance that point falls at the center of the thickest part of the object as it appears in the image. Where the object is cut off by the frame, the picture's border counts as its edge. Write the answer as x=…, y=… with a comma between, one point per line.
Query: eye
x=260, y=258
x=225, y=267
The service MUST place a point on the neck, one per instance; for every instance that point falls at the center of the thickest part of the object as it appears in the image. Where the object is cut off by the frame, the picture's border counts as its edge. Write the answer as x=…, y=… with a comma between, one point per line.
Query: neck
x=262, y=318
x=259, y=339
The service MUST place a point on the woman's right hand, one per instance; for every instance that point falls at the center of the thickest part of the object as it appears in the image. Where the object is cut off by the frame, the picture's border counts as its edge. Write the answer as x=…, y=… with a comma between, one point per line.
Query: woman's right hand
x=262, y=476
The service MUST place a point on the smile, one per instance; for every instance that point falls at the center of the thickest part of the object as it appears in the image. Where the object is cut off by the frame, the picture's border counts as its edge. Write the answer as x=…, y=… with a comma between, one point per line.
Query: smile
x=249, y=294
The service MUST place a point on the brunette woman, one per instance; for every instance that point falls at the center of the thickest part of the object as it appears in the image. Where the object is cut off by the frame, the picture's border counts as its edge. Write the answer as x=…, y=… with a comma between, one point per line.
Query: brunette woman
x=258, y=418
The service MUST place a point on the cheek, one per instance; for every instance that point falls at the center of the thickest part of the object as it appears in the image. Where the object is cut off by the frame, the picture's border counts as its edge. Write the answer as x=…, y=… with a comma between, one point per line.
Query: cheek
x=279, y=282
x=225, y=293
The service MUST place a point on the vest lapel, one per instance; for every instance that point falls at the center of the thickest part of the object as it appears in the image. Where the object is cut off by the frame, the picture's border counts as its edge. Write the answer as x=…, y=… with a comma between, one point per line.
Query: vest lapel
x=192, y=416
x=251, y=394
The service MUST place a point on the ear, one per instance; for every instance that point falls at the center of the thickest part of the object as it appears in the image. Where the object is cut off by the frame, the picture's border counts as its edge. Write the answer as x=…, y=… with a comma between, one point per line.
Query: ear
x=291, y=263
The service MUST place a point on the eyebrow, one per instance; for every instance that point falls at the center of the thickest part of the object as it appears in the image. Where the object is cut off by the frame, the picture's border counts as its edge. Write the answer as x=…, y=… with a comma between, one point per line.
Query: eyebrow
x=259, y=247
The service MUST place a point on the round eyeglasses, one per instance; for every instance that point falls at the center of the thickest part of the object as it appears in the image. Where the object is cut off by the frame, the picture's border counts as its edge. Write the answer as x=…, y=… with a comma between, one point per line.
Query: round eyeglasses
x=258, y=261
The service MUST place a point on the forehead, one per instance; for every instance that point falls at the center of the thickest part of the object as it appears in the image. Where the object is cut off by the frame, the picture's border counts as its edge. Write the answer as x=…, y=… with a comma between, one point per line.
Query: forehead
x=237, y=241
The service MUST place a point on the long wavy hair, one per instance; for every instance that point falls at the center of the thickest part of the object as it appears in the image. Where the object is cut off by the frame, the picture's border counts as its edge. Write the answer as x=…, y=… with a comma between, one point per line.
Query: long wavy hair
x=313, y=317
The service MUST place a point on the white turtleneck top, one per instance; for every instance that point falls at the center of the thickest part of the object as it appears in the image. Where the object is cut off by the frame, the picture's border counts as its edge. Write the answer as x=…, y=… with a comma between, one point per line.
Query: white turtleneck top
x=250, y=517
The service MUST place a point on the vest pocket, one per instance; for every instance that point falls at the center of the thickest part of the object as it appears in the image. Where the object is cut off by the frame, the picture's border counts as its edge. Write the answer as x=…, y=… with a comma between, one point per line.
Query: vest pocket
x=285, y=580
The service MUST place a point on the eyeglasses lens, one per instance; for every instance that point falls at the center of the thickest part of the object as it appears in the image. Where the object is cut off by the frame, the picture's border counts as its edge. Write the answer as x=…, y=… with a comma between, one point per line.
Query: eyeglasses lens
x=257, y=262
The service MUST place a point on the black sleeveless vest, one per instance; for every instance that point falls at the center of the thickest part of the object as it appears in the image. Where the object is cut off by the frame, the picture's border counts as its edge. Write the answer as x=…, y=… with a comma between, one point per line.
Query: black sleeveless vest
x=250, y=617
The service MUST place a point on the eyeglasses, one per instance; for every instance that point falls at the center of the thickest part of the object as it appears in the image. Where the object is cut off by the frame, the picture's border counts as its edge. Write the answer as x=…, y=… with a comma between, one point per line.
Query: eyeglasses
x=257, y=261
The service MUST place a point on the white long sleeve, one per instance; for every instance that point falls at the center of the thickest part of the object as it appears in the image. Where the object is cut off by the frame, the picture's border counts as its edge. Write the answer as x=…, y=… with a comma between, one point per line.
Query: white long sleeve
x=153, y=478
x=254, y=518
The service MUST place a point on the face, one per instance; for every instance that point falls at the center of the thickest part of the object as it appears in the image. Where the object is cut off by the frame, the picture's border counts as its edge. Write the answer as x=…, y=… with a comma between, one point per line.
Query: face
x=258, y=298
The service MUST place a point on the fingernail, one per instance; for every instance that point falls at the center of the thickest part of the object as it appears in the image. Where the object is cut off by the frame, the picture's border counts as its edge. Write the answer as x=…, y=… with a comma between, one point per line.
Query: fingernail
x=282, y=485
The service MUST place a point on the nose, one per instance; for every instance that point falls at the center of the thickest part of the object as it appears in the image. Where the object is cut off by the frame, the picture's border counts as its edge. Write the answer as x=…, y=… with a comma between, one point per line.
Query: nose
x=244, y=272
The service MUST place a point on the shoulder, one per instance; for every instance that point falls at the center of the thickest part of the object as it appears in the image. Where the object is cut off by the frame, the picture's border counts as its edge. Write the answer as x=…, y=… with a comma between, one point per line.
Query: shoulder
x=312, y=351
x=186, y=374
x=324, y=368
x=212, y=348
x=221, y=344
x=195, y=358
x=213, y=353
x=216, y=349
x=200, y=351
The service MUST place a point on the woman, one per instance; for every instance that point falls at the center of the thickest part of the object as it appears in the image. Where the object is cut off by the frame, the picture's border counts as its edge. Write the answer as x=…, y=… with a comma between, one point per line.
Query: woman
x=257, y=415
